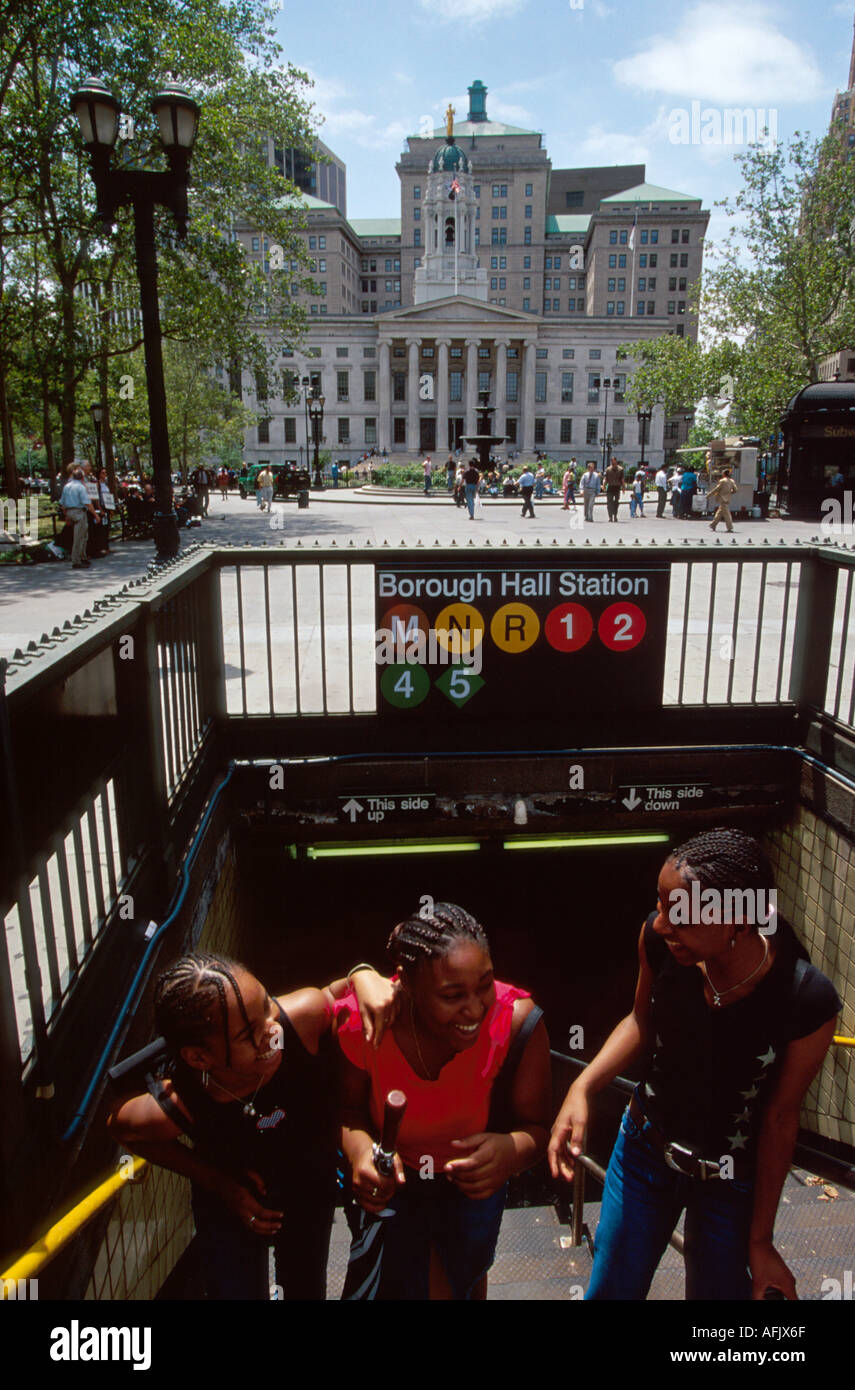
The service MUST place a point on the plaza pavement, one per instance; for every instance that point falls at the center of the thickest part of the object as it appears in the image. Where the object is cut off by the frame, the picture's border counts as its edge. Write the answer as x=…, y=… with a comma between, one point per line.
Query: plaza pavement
x=36, y=598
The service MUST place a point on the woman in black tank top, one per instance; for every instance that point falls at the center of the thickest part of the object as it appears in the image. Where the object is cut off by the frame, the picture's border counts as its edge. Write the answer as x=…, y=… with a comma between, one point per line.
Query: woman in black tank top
x=731, y=1022
x=249, y=1081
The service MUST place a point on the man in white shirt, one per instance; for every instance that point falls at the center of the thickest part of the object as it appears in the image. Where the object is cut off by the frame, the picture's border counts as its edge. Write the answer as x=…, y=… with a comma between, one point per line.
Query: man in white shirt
x=75, y=502
x=590, y=484
x=427, y=469
x=264, y=482
x=661, y=483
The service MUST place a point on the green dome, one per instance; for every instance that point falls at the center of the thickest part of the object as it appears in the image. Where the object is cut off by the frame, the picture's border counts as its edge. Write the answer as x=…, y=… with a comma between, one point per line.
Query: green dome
x=450, y=158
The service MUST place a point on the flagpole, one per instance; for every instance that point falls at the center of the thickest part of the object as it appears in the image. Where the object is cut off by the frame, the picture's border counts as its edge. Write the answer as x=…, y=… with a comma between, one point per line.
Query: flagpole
x=632, y=239
x=455, y=245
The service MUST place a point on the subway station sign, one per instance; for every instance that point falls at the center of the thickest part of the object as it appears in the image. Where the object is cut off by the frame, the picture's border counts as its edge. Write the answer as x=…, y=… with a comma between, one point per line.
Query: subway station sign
x=482, y=640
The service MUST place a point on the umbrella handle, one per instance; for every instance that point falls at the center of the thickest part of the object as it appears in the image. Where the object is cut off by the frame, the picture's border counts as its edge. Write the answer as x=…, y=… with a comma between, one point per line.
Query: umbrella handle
x=383, y=1153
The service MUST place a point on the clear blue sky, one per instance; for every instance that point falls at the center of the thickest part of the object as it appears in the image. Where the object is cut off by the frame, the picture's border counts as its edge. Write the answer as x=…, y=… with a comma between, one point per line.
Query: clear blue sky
x=599, y=78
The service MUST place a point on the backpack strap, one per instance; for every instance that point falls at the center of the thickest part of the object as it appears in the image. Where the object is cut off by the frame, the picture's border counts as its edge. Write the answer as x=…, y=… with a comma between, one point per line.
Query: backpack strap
x=500, y=1099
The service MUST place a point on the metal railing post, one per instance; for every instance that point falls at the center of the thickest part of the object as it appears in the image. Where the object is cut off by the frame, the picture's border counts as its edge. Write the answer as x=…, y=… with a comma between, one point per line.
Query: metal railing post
x=814, y=630
x=578, y=1202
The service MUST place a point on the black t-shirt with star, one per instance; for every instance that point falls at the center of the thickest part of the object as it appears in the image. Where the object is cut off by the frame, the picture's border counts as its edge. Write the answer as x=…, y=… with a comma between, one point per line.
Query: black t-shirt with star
x=710, y=1069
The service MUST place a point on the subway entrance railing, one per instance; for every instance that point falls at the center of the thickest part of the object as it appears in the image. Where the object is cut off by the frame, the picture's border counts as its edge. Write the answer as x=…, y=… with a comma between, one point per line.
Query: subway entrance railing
x=116, y=729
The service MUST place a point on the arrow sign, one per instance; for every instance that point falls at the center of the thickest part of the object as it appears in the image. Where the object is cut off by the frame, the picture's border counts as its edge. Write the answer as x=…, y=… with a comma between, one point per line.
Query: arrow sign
x=353, y=807
x=631, y=801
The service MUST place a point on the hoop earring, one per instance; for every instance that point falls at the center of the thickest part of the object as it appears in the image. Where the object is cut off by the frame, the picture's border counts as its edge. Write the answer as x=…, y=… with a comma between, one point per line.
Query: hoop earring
x=206, y=1076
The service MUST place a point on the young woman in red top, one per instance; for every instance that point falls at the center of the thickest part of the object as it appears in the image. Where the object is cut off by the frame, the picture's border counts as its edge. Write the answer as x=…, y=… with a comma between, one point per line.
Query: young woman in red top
x=455, y=1026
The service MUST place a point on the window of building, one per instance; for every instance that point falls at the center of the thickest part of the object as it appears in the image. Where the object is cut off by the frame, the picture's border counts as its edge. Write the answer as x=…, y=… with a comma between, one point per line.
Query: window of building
x=644, y=237
x=370, y=429
x=369, y=352
x=417, y=214
x=512, y=389
x=675, y=235
x=342, y=387
x=681, y=306
x=417, y=192
x=503, y=212
x=455, y=386
x=651, y=307
x=591, y=431
x=343, y=430
x=571, y=282
x=255, y=243
x=389, y=266
x=512, y=352
x=495, y=214
x=528, y=209
x=672, y=282
x=322, y=286
x=684, y=237
x=511, y=429
x=417, y=236
x=682, y=284
x=399, y=430
x=547, y=262
x=476, y=189
x=574, y=198
x=529, y=190
x=290, y=430
x=546, y=305
x=568, y=354
x=566, y=435
x=314, y=308
x=616, y=427
x=503, y=262
x=642, y=262
x=547, y=284
x=527, y=237
x=483, y=381
x=526, y=282
x=455, y=352
x=342, y=352
x=613, y=238
x=684, y=259
x=595, y=355
x=399, y=386
x=621, y=260
x=654, y=237
x=619, y=384
x=264, y=431
x=621, y=284
x=623, y=238
x=620, y=307
x=681, y=330
x=642, y=284
x=527, y=306
x=494, y=263
x=675, y=259
x=494, y=280
x=397, y=264
x=322, y=243
x=540, y=386
x=639, y=308
x=365, y=306
x=612, y=262
x=654, y=261
x=610, y=306
x=503, y=283
x=322, y=264
x=539, y=429
x=672, y=306
x=427, y=351
x=369, y=392
x=566, y=386
x=526, y=262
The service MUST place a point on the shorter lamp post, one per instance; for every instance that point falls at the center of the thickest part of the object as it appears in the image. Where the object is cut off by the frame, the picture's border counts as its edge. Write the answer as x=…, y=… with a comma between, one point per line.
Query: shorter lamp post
x=305, y=386
x=316, y=411
x=644, y=417
x=606, y=383
x=97, y=413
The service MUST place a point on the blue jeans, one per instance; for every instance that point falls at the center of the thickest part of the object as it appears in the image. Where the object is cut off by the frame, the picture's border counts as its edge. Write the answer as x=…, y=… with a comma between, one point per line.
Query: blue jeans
x=463, y=1230
x=235, y=1262
x=642, y=1201
x=470, y=489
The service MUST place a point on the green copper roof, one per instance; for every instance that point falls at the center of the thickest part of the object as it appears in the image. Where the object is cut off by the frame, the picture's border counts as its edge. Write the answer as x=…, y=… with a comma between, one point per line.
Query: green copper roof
x=450, y=158
x=376, y=226
x=305, y=200
x=564, y=223
x=464, y=129
x=650, y=193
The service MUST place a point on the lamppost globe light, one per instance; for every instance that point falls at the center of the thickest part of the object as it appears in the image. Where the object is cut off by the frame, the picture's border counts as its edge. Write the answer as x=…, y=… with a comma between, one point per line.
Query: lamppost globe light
x=177, y=116
x=96, y=410
x=97, y=113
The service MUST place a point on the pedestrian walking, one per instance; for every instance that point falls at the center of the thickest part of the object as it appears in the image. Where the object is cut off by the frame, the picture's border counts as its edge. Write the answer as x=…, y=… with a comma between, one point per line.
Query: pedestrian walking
x=471, y=479
x=613, y=478
x=661, y=485
x=265, y=484
x=427, y=469
x=450, y=472
x=674, y=489
x=539, y=482
x=590, y=487
x=688, y=488
x=636, y=500
x=722, y=494
x=526, y=487
x=201, y=480
x=77, y=508
x=223, y=484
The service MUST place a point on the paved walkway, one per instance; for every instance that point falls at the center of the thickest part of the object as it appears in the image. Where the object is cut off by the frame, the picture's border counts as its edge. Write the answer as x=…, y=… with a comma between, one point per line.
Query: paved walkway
x=36, y=598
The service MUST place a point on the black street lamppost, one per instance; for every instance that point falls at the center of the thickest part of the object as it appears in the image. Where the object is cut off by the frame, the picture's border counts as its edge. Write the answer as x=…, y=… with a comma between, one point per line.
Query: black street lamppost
x=97, y=112
x=606, y=384
x=644, y=417
x=306, y=387
x=316, y=411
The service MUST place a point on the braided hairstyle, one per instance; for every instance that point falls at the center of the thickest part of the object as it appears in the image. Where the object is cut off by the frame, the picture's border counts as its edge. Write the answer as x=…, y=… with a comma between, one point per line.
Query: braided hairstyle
x=724, y=858
x=428, y=936
x=190, y=999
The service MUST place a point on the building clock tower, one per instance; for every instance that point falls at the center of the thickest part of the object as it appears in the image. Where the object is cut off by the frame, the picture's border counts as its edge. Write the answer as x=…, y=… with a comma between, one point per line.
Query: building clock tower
x=450, y=262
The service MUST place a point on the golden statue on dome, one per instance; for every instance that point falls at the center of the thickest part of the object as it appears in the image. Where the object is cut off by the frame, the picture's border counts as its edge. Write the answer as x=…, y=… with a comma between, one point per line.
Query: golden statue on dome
x=449, y=121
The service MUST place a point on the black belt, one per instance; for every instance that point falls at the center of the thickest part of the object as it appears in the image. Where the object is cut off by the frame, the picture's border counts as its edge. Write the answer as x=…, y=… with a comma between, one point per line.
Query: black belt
x=678, y=1156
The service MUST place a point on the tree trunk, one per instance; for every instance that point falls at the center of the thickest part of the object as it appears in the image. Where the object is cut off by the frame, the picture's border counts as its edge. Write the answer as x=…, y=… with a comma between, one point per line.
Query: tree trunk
x=109, y=460
x=10, y=469
x=47, y=436
x=69, y=383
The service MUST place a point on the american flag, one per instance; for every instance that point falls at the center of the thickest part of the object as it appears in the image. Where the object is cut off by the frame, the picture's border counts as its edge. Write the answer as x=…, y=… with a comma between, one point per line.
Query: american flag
x=454, y=189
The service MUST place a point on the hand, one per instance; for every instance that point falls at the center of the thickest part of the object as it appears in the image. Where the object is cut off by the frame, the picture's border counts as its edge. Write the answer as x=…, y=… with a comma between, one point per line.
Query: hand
x=492, y=1160
x=568, y=1135
x=379, y=1002
x=261, y=1220
x=768, y=1269
x=372, y=1191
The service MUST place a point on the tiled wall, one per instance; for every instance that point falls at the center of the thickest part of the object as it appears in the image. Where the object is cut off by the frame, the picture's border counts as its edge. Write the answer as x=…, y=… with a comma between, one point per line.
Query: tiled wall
x=151, y=1222
x=815, y=874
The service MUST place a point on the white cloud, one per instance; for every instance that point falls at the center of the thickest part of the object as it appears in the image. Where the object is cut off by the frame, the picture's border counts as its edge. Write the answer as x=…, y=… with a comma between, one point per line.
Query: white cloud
x=600, y=10
x=725, y=52
x=339, y=117
x=471, y=11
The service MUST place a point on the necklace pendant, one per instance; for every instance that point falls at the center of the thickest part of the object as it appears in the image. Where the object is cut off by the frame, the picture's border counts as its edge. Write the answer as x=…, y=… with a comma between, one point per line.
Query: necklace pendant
x=716, y=1000
x=249, y=1110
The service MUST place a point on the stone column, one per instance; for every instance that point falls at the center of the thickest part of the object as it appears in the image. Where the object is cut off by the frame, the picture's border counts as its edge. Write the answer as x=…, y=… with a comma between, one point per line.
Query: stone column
x=500, y=394
x=384, y=399
x=470, y=423
x=442, y=345
x=528, y=399
x=413, y=395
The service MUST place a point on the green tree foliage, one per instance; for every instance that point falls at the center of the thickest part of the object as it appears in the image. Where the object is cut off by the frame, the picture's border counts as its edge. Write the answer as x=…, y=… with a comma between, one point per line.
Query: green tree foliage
x=776, y=297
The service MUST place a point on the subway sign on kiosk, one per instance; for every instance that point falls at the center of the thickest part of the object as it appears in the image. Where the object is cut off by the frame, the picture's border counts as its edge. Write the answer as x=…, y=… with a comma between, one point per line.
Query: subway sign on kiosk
x=583, y=635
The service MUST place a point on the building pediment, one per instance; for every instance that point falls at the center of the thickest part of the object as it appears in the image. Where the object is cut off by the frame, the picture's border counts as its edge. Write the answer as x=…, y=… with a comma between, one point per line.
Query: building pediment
x=454, y=309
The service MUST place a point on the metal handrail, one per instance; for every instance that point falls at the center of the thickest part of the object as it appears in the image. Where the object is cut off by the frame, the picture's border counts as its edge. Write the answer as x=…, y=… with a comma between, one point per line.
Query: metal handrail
x=57, y=1236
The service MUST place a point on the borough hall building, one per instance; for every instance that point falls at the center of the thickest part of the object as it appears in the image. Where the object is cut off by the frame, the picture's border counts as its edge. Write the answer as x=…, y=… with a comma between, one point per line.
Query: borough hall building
x=501, y=273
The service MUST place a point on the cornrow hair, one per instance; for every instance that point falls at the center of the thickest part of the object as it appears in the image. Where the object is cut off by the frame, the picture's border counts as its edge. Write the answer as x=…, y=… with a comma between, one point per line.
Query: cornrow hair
x=186, y=996
x=427, y=937
x=724, y=858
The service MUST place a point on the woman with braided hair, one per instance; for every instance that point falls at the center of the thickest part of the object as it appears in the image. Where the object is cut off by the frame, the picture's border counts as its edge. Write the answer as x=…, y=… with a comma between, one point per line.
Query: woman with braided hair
x=250, y=1081
x=456, y=1027
x=731, y=1023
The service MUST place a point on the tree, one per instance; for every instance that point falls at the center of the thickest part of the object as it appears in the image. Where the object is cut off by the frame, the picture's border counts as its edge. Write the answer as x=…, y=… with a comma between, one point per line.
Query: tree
x=776, y=297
